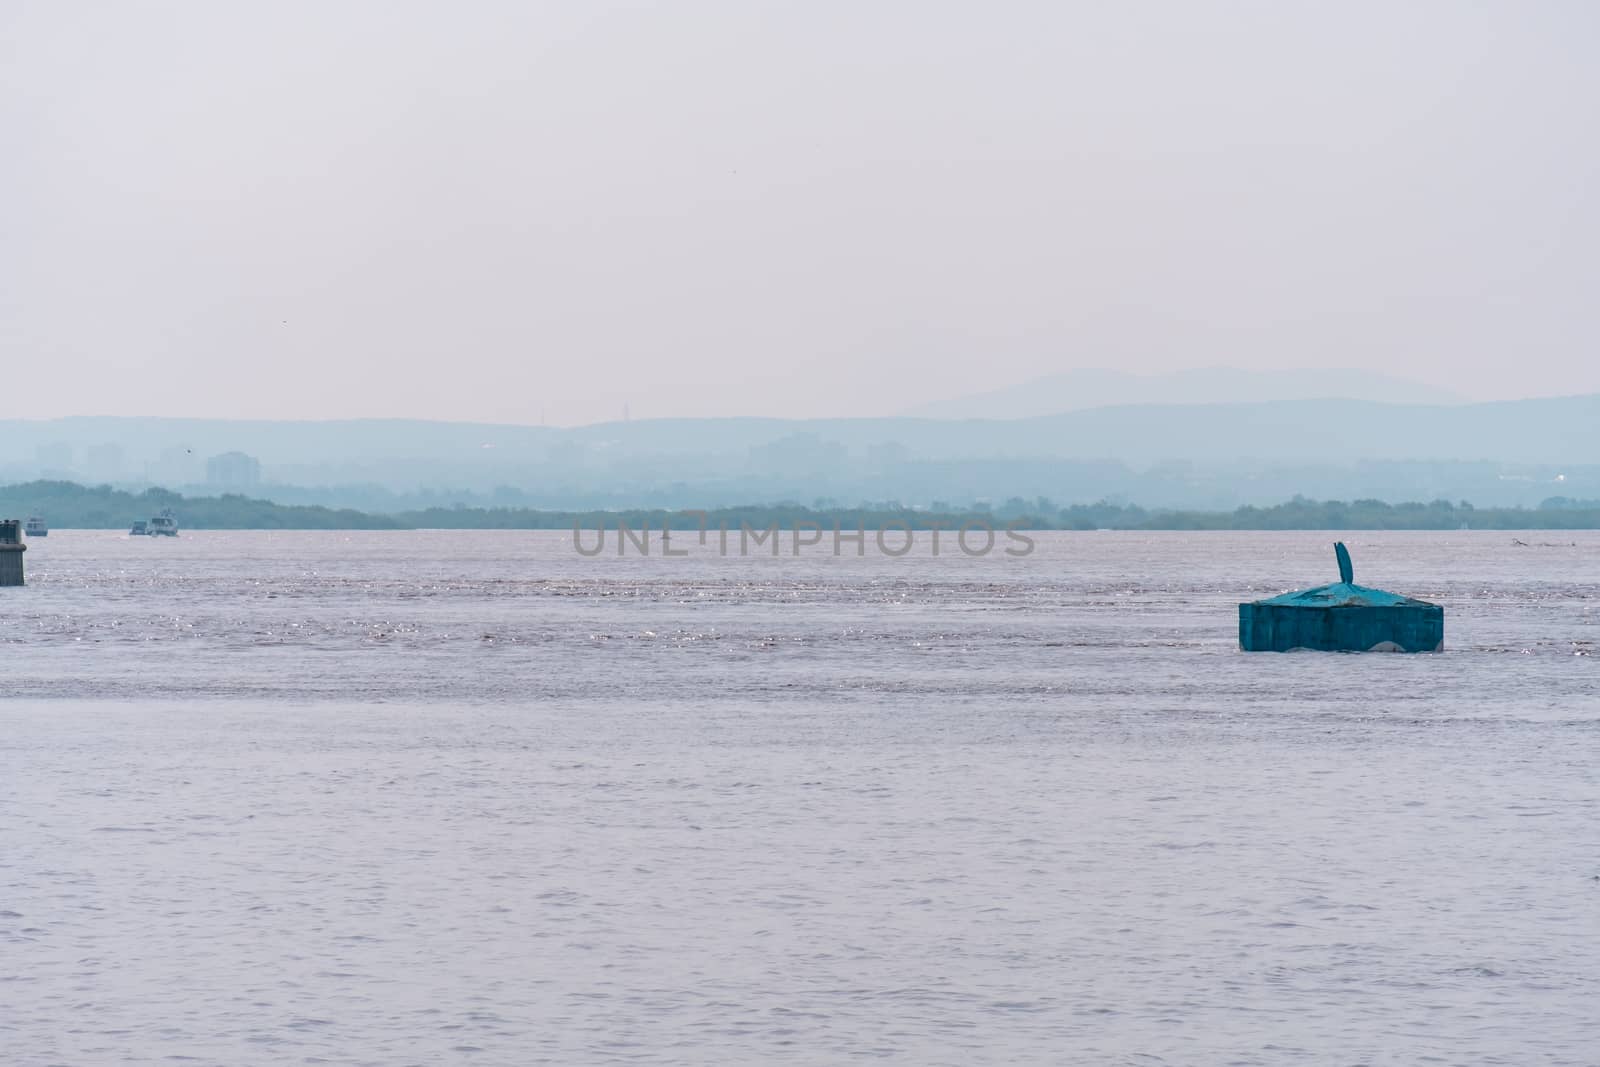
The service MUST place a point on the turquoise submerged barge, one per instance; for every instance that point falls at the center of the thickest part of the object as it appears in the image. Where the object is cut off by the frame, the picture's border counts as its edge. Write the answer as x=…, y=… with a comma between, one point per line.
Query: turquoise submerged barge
x=1342, y=617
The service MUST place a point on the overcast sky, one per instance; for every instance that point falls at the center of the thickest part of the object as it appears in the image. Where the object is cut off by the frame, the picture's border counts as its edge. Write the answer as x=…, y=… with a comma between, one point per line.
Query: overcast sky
x=514, y=211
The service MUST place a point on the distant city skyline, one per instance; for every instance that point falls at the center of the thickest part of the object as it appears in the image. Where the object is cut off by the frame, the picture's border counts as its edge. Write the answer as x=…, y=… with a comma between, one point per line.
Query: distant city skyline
x=524, y=213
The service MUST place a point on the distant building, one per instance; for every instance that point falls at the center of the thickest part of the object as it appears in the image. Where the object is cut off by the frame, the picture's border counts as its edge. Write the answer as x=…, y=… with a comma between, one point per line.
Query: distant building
x=233, y=470
x=177, y=466
x=54, y=459
x=800, y=456
x=887, y=455
x=104, y=461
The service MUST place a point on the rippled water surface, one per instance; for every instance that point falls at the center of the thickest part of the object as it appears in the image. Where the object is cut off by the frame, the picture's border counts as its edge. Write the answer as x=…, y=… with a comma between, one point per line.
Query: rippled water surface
x=392, y=798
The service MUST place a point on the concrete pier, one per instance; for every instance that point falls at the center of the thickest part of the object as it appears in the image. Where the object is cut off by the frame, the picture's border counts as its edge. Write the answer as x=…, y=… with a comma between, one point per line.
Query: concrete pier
x=11, y=550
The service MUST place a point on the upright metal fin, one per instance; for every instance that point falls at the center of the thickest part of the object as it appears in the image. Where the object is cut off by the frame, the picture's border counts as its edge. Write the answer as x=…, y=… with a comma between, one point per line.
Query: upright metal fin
x=1346, y=574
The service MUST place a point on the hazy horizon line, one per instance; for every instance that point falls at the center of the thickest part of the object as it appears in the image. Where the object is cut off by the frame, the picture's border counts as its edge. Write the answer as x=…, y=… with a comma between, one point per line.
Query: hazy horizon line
x=893, y=417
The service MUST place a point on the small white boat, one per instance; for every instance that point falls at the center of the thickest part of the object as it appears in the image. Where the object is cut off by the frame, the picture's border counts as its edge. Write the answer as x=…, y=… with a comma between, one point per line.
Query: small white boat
x=140, y=528
x=36, y=527
x=163, y=525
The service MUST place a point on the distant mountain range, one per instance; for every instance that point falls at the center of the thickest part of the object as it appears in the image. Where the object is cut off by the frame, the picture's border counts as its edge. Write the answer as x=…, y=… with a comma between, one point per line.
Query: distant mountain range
x=1542, y=430
x=1079, y=390
x=1211, y=455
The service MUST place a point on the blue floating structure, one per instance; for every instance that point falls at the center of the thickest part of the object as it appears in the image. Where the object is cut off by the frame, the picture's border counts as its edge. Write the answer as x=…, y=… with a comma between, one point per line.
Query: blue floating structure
x=1342, y=617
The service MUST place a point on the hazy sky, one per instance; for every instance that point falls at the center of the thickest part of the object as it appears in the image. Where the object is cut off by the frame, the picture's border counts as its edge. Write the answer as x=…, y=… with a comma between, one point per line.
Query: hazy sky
x=493, y=210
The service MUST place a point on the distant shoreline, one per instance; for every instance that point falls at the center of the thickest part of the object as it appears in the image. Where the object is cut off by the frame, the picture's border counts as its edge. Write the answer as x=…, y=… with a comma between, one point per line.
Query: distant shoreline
x=68, y=505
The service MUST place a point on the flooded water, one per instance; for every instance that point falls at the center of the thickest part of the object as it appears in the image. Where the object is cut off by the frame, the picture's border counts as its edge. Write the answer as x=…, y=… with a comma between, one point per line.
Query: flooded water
x=394, y=798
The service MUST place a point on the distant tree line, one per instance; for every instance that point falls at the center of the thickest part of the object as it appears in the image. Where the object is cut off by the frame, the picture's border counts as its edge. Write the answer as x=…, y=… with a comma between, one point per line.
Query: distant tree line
x=1302, y=514
x=72, y=506
x=68, y=505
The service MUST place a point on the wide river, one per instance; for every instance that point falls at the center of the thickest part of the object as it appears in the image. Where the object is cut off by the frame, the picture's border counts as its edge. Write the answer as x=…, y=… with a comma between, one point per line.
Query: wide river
x=431, y=798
